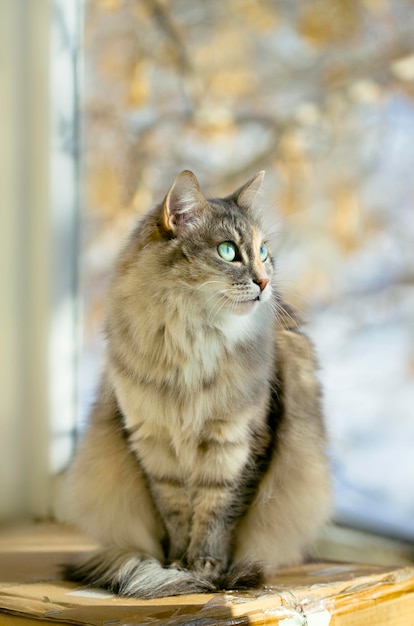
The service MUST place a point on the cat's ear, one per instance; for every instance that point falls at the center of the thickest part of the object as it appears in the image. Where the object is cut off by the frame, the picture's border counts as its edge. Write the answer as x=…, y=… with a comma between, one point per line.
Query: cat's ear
x=183, y=204
x=245, y=195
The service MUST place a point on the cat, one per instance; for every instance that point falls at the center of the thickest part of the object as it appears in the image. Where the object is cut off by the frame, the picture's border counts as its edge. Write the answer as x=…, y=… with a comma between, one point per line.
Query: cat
x=203, y=466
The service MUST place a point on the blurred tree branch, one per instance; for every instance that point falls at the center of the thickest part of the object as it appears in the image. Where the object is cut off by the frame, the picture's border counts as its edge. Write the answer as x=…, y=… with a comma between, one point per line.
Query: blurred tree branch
x=161, y=14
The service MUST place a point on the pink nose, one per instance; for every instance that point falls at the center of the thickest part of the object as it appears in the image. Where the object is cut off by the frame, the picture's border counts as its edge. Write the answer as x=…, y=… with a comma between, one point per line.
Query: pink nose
x=262, y=282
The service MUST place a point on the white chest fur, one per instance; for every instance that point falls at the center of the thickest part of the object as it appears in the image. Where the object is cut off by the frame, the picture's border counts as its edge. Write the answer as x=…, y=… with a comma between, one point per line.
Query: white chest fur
x=237, y=328
x=183, y=371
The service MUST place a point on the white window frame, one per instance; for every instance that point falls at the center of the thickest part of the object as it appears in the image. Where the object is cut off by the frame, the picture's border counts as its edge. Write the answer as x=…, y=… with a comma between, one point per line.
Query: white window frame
x=38, y=178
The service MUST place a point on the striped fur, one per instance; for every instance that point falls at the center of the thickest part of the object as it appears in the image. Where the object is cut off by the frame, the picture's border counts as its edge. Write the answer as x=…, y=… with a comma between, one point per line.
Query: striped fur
x=203, y=465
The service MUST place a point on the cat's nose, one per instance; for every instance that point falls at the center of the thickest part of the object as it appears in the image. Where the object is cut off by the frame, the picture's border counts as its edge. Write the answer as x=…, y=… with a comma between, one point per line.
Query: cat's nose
x=262, y=282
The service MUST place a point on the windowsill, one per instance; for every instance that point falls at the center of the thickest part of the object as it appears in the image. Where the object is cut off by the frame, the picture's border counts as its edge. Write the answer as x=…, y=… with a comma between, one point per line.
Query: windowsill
x=343, y=543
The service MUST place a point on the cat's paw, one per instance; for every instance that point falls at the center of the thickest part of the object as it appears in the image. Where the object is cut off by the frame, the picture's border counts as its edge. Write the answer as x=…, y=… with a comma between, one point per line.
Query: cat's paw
x=177, y=564
x=244, y=575
x=209, y=567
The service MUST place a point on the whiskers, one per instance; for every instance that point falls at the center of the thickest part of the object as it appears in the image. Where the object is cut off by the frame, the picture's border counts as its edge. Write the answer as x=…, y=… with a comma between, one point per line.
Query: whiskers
x=227, y=298
x=217, y=296
x=222, y=301
x=220, y=298
x=282, y=314
x=209, y=282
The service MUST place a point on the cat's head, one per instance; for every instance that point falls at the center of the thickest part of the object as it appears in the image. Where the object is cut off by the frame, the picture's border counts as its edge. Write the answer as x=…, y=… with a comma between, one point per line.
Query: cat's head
x=220, y=246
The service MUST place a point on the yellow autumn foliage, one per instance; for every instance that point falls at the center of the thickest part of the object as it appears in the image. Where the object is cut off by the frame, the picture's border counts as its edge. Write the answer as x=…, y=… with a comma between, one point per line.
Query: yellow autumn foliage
x=325, y=22
x=345, y=219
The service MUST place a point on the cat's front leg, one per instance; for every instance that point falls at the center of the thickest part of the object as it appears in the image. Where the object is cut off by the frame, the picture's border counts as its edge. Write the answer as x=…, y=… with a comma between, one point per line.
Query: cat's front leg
x=222, y=456
x=167, y=489
x=174, y=508
x=209, y=551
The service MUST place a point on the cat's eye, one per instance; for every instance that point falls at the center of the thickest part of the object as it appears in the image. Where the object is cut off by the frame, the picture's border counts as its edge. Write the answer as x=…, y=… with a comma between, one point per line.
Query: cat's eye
x=263, y=252
x=228, y=251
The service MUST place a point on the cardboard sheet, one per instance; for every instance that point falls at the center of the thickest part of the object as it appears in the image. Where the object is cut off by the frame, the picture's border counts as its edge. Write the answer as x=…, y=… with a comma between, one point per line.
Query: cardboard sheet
x=323, y=594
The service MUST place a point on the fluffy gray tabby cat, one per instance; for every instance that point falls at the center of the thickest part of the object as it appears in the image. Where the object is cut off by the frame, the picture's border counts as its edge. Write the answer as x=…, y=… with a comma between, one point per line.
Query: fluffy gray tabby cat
x=203, y=465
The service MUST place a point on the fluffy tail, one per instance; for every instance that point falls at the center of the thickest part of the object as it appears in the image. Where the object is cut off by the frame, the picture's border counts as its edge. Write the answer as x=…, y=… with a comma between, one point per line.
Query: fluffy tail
x=131, y=574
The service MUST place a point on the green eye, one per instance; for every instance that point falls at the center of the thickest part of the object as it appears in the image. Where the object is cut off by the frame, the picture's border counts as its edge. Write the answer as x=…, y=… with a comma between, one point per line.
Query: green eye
x=227, y=250
x=263, y=252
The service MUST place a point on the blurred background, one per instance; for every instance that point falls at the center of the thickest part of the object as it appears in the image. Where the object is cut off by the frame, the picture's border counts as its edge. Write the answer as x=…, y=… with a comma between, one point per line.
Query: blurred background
x=105, y=101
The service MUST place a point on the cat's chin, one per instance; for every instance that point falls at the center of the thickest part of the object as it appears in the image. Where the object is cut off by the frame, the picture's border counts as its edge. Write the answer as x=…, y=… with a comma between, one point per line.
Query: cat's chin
x=245, y=307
